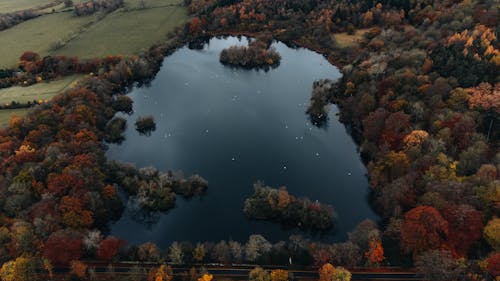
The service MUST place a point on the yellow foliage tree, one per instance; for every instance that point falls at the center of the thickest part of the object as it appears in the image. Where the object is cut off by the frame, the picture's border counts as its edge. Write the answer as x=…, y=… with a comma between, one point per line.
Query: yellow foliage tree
x=330, y=273
x=21, y=269
x=492, y=233
x=163, y=273
x=279, y=275
x=206, y=277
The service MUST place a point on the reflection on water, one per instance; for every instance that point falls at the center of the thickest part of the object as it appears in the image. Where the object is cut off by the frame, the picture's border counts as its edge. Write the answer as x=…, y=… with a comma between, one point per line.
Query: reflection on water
x=235, y=127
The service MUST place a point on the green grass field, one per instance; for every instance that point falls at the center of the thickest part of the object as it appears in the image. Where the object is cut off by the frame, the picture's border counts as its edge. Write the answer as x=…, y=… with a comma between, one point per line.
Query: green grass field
x=125, y=31
x=7, y=6
x=37, y=35
x=40, y=91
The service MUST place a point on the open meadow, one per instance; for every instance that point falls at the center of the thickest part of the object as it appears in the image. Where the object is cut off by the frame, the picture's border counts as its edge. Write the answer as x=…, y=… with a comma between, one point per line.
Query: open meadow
x=125, y=31
x=8, y=6
x=345, y=40
x=37, y=92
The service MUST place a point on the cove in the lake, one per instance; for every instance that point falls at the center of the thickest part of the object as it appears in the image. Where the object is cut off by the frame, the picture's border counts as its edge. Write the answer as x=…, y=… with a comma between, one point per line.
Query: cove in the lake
x=235, y=127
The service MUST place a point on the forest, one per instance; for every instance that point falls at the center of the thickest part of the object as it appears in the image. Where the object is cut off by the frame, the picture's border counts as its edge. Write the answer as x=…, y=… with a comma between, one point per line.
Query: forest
x=420, y=94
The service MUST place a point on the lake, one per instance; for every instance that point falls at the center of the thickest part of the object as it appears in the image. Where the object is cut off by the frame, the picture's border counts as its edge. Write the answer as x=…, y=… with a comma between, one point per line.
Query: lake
x=235, y=127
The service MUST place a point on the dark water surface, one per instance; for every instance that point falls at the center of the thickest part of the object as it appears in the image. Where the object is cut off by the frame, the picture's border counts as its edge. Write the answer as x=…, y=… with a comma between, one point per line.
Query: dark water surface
x=235, y=127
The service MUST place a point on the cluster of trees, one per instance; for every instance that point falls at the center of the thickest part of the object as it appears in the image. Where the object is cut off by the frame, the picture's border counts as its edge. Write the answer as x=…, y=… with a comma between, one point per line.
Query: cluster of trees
x=145, y=125
x=278, y=205
x=8, y=20
x=151, y=189
x=322, y=94
x=257, y=54
x=93, y=6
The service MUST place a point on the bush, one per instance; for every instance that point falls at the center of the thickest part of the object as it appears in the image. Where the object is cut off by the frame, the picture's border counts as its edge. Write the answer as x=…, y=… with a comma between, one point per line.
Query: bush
x=145, y=125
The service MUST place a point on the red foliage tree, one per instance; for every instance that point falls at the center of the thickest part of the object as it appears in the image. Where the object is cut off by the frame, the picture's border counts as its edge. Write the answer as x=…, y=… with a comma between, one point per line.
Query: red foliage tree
x=62, y=247
x=195, y=26
x=423, y=229
x=493, y=266
x=396, y=127
x=29, y=56
x=59, y=184
x=109, y=247
x=465, y=227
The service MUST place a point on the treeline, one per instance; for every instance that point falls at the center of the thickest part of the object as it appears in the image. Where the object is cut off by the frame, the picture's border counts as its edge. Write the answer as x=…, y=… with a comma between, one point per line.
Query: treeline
x=8, y=20
x=278, y=205
x=93, y=6
x=34, y=69
x=257, y=54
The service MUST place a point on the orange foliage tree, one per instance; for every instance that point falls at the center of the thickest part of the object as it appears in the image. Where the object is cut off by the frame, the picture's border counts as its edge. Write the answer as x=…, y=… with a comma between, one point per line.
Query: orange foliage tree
x=375, y=253
x=73, y=213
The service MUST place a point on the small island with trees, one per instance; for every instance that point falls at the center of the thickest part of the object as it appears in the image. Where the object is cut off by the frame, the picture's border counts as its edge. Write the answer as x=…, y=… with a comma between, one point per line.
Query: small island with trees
x=145, y=125
x=278, y=205
x=258, y=54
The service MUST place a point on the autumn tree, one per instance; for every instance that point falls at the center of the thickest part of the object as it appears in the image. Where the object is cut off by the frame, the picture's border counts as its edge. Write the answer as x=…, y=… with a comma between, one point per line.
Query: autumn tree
x=465, y=225
x=175, y=253
x=162, y=273
x=259, y=274
x=279, y=275
x=493, y=264
x=206, y=277
x=79, y=269
x=148, y=252
x=491, y=233
x=109, y=248
x=73, y=213
x=326, y=272
x=256, y=246
x=195, y=26
x=423, y=229
x=21, y=269
x=62, y=247
x=375, y=253
x=199, y=252
x=330, y=273
x=438, y=265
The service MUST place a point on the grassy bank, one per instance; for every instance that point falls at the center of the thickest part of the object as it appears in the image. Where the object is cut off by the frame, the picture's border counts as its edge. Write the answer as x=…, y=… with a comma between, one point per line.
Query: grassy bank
x=40, y=91
x=7, y=6
x=38, y=35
